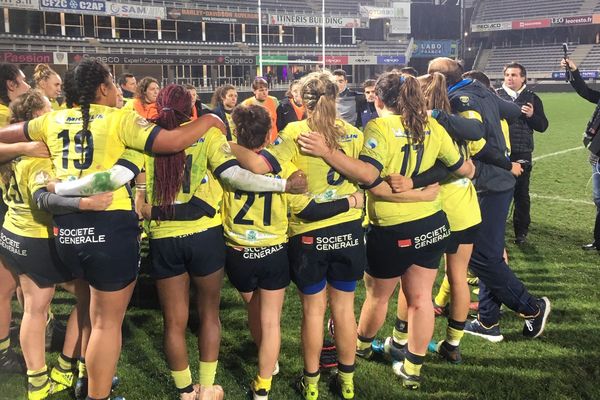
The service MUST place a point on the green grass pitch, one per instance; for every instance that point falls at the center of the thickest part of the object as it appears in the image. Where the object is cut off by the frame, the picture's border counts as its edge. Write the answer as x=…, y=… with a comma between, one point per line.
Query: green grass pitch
x=563, y=364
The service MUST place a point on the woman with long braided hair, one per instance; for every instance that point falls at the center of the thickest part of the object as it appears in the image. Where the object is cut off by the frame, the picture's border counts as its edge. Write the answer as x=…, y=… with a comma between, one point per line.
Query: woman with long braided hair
x=186, y=237
x=101, y=247
x=28, y=249
x=405, y=240
x=326, y=256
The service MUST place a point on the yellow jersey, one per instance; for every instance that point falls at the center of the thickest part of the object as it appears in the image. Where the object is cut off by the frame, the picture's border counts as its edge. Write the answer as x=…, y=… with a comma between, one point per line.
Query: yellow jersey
x=20, y=179
x=75, y=153
x=56, y=106
x=256, y=219
x=389, y=148
x=505, y=133
x=209, y=156
x=458, y=195
x=324, y=182
x=4, y=116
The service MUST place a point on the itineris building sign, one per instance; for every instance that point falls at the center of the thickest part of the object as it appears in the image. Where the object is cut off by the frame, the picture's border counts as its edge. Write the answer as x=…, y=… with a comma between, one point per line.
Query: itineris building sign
x=316, y=20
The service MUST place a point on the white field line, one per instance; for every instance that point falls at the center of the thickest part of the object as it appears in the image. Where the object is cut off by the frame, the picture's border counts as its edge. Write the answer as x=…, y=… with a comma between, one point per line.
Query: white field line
x=558, y=198
x=557, y=153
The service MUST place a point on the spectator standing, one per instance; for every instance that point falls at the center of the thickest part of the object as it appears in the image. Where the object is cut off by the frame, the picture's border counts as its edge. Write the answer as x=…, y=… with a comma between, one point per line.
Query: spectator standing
x=260, y=87
x=223, y=102
x=128, y=85
x=593, y=96
x=497, y=282
x=366, y=105
x=346, y=101
x=291, y=108
x=521, y=131
x=144, y=102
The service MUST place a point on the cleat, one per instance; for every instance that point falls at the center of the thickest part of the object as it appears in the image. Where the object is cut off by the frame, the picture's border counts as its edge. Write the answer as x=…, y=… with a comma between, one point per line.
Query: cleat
x=589, y=247
x=39, y=393
x=62, y=380
x=214, y=392
x=12, y=363
x=534, y=326
x=521, y=238
x=390, y=350
x=476, y=328
x=443, y=349
x=412, y=382
x=365, y=353
x=81, y=386
x=308, y=392
x=345, y=391
x=260, y=394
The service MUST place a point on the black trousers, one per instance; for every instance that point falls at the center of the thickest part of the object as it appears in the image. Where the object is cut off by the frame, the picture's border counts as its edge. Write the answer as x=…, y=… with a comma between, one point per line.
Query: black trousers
x=522, y=202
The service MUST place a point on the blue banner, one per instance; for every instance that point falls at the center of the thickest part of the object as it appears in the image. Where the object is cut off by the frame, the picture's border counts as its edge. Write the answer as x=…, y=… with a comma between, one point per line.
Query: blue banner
x=434, y=48
x=396, y=60
x=74, y=6
x=561, y=75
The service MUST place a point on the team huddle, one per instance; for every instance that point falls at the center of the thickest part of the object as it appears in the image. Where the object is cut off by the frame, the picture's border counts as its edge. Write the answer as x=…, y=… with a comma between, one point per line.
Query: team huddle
x=267, y=194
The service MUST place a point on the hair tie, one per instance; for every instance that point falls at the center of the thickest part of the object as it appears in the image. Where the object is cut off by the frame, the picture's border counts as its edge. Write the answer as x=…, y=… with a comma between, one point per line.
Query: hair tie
x=402, y=79
x=167, y=109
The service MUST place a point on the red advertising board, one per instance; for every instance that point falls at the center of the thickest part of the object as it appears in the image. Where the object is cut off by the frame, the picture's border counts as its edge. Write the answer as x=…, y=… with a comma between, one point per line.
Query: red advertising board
x=335, y=60
x=532, y=23
x=23, y=57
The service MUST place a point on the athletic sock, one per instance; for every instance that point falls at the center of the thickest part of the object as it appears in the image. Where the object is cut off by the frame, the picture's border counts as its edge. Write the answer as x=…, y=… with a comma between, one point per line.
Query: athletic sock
x=66, y=363
x=363, y=343
x=82, y=368
x=183, y=380
x=208, y=371
x=413, y=363
x=262, y=383
x=346, y=374
x=443, y=297
x=454, y=332
x=312, y=378
x=4, y=345
x=400, y=333
x=38, y=378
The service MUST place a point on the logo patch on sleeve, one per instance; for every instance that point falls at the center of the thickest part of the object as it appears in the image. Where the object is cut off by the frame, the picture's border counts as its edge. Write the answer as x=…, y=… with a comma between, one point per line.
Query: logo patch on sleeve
x=464, y=99
x=308, y=240
x=402, y=243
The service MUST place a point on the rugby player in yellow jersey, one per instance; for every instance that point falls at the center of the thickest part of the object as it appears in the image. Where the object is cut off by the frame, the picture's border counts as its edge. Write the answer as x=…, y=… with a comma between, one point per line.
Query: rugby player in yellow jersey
x=186, y=247
x=101, y=247
x=255, y=227
x=27, y=246
x=12, y=85
x=405, y=240
x=332, y=247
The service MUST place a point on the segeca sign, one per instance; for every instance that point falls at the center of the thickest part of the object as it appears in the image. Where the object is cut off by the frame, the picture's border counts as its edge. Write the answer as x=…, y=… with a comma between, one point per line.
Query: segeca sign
x=154, y=59
x=492, y=26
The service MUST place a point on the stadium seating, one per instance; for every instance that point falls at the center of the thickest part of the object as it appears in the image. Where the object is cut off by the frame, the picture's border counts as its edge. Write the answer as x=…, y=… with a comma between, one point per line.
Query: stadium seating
x=507, y=10
x=539, y=60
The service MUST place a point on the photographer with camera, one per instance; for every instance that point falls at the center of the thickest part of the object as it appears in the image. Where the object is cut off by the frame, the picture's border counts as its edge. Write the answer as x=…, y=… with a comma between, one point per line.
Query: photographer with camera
x=591, y=140
x=521, y=131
